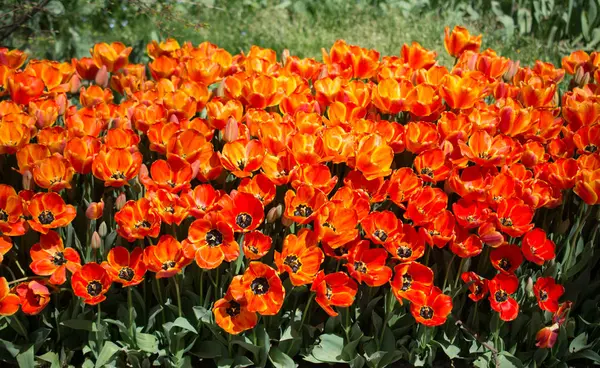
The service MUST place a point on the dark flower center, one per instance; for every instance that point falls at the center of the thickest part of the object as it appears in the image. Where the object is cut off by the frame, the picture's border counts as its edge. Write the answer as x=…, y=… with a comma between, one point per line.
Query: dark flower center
x=404, y=252
x=117, y=175
x=293, y=262
x=126, y=274
x=168, y=264
x=484, y=155
x=214, y=238
x=259, y=286
x=380, y=234
x=328, y=291
x=591, y=148
x=170, y=209
x=171, y=183
x=543, y=295
x=506, y=222
x=234, y=308
x=360, y=266
x=303, y=211
x=94, y=288
x=46, y=217
x=145, y=224
x=341, y=251
x=476, y=289
x=327, y=224
x=504, y=264
x=59, y=259
x=501, y=296
x=406, y=282
x=243, y=220
x=427, y=171
x=426, y=312
x=3, y=215
x=253, y=249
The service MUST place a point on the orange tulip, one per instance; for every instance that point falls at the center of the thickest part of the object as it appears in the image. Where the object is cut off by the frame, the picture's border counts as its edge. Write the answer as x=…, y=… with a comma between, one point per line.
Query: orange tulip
x=138, y=219
x=114, y=56
x=300, y=257
x=460, y=40
x=115, y=167
x=49, y=211
x=53, y=173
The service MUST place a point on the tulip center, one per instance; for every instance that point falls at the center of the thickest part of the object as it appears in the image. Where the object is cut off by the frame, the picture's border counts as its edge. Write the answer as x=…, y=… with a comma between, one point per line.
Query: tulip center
x=506, y=222
x=470, y=218
x=46, y=217
x=168, y=264
x=427, y=171
x=126, y=274
x=3, y=215
x=328, y=291
x=501, y=296
x=94, y=288
x=214, y=238
x=234, y=308
x=406, y=282
x=426, y=312
x=477, y=289
x=340, y=252
x=170, y=209
x=117, y=175
x=591, y=148
x=259, y=286
x=380, y=234
x=543, y=295
x=404, y=252
x=303, y=211
x=171, y=183
x=243, y=220
x=504, y=264
x=484, y=155
x=293, y=262
x=59, y=259
x=360, y=266
x=145, y=224
x=327, y=224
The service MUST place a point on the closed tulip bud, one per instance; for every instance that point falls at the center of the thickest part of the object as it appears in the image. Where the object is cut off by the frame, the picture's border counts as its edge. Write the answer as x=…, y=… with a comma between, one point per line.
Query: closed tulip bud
x=62, y=102
x=232, y=131
x=96, y=241
x=120, y=202
x=102, y=77
x=547, y=336
x=103, y=229
x=529, y=287
x=27, y=180
x=274, y=213
x=286, y=221
x=74, y=83
x=585, y=80
x=513, y=67
x=95, y=210
x=578, y=76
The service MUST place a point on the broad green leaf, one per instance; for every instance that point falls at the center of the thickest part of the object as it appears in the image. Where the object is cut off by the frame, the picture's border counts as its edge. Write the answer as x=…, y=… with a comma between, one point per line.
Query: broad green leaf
x=207, y=349
x=17, y=325
x=52, y=358
x=329, y=349
x=185, y=324
x=79, y=324
x=146, y=342
x=586, y=354
x=26, y=358
x=106, y=354
x=55, y=8
x=279, y=359
x=242, y=361
x=579, y=343
x=508, y=360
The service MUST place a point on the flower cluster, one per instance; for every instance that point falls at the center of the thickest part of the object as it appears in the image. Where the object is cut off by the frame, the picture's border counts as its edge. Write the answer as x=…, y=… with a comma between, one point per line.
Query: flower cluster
x=332, y=177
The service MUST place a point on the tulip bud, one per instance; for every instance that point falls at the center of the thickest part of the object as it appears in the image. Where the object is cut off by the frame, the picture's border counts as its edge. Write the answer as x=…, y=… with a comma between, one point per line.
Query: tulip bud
x=120, y=202
x=585, y=80
x=274, y=213
x=529, y=287
x=103, y=229
x=96, y=241
x=62, y=102
x=513, y=67
x=95, y=210
x=578, y=76
x=284, y=56
x=27, y=180
x=74, y=83
x=286, y=221
x=547, y=336
x=102, y=77
x=232, y=130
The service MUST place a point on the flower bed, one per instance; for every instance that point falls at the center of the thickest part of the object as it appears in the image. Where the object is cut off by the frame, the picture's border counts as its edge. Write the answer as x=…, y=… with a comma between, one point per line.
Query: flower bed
x=245, y=211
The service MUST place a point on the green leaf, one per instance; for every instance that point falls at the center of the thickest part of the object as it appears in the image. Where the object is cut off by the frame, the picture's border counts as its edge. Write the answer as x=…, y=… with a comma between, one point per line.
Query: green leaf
x=579, y=343
x=586, y=354
x=146, y=342
x=17, y=325
x=106, y=354
x=55, y=8
x=52, y=358
x=507, y=360
x=26, y=358
x=79, y=324
x=242, y=361
x=185, y=324
x=329, y=349
x=280, y=359
x=207, y=349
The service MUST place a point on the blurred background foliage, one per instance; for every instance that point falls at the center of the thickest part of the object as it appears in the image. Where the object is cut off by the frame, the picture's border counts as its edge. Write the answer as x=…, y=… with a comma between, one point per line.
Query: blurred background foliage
x=524, y=30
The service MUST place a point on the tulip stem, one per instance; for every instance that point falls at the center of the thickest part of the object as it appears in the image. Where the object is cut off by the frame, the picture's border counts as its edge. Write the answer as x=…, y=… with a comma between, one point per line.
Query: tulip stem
x=178, y=293
x=459, y=272
x=131, y=320
x=160, y=300
x=448, y=271
x=24, y=279
x=571, y=249
x=98, y=322
x=201, y=286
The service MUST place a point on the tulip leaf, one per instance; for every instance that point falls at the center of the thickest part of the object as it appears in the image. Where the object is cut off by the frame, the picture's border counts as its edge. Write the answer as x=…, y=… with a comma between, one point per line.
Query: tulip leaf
x=26, y=358
x=106, y=354
x=80, y=324
x=280, y=360
x=586, y=354
x=329, y=349
x=185, y=324
x=579, y=343
x=146, y=342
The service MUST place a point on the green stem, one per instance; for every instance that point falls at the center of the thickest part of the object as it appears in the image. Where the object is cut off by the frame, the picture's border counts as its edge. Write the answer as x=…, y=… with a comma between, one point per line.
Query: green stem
x=459, y=272
x=131, y=321
x=201, y=286
x=178, y=293
x=160, y=300
x=570, y=250
x=98, y=323
x=448, y=271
